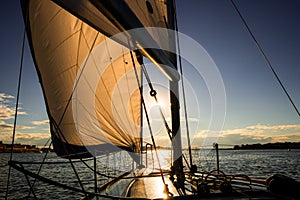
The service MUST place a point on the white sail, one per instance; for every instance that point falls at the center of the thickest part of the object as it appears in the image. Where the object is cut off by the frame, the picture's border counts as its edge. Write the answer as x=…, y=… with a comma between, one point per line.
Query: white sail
x=113, y=17
x=99, y=111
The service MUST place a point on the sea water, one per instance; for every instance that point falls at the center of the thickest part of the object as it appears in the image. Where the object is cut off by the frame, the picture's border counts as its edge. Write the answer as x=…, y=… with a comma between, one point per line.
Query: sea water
x=254, y=163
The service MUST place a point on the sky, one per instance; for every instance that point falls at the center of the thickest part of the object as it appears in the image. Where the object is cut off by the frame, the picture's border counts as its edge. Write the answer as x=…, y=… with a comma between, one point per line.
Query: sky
x=257, y=110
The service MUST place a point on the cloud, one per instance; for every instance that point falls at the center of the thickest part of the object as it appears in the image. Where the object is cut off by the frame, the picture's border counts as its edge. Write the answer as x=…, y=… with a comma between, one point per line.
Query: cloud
x=250, y=135
x=26, y=134
x=229, y=137
x=25, y=138
x=268, y=130
x=7, y=112
x=232, y=139
x=287, y=137
x=4, y=97
x=275, y=128
x=5, y=126
x=9, y=127
x=43, y=122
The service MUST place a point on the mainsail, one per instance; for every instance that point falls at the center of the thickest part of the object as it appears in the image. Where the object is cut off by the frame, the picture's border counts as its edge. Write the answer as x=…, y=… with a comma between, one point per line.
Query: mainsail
x=90, y=82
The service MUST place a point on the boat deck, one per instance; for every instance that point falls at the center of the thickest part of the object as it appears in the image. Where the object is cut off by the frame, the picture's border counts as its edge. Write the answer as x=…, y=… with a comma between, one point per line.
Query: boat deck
x=149, y=185
x=151, y=188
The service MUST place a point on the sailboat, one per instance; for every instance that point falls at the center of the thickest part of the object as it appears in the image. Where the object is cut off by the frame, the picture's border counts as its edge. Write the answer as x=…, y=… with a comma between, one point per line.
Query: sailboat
x=90, y=59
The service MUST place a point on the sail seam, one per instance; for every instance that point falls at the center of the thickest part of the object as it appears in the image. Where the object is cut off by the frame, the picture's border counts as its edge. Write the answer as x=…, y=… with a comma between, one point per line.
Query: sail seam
x=128, y=92
x=118, y=88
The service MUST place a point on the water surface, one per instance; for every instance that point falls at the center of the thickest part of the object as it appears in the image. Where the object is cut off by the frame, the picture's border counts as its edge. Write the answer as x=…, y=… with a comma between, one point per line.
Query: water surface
x=254, y=163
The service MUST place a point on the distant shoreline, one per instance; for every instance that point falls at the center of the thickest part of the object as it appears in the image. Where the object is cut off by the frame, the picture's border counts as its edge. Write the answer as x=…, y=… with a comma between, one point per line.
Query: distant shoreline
x=22, y=148
x=20, y=151
x=18, y=148
x=38, y=150
x=277, y=145
x=257, y=146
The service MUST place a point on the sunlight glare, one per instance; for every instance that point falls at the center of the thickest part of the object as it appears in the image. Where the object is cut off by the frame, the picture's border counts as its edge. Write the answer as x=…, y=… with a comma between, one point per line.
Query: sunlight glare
x=158, y=104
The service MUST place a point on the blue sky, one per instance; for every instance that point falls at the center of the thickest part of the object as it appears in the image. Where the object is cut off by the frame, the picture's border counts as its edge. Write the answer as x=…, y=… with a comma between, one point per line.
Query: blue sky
x=257, y=109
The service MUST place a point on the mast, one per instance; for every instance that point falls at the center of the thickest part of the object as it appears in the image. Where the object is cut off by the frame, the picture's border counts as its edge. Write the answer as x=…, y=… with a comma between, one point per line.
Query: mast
x=177, y=168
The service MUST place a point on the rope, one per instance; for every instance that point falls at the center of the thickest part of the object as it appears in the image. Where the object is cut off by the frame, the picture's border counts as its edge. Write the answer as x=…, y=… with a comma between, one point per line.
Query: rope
x=16, y=110
x=265, y=57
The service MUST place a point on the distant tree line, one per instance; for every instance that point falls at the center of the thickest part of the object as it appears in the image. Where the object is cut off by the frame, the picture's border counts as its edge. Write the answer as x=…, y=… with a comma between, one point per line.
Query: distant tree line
x=277, y=145
x=22, y=148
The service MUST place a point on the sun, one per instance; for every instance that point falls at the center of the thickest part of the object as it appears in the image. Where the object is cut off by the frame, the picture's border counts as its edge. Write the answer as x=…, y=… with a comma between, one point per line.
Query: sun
x=158, y=104
x=156, y=108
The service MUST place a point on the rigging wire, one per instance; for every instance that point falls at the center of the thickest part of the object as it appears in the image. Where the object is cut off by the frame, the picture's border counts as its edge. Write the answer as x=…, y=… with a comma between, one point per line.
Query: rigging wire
x=148, y=120
x=17, y=105
x=41, y=165
x=29, y=184
x=70, y=161
x=183, y=90
x=153, y=93
x=265, y=56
